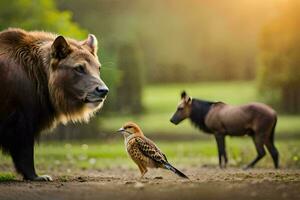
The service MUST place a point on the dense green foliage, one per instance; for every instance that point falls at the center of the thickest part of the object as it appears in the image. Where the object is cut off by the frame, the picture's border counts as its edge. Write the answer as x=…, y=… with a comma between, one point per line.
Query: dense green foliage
x=279, y=75
x=38, y=15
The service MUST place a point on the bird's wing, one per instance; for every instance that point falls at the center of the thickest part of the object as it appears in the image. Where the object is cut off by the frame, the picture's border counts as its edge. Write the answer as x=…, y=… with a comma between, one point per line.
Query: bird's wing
x=149, y=149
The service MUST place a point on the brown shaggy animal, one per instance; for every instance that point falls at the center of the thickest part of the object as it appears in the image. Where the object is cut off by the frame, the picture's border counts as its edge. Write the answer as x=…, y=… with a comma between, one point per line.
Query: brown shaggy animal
x=254, y=119
x=45, y=79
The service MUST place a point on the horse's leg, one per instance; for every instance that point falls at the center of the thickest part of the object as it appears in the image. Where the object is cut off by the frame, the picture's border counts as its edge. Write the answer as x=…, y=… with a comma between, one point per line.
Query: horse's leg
x=269, y=142
x=225, y=154
x=219, y=150
x=220, y=138
x=273, y=151
x=259, y=145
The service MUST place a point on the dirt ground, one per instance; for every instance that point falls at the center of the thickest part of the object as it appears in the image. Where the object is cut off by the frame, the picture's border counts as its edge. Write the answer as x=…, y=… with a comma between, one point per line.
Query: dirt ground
x=204, y=183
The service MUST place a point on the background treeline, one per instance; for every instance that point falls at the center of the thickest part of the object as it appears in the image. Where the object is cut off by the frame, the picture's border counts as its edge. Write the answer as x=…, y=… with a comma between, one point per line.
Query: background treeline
x=144, y=42
x=180, y=41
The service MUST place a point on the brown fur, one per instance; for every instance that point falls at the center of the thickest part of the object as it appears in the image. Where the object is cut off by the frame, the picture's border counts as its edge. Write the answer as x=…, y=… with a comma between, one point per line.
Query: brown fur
x=29, y=52
x=45, y=79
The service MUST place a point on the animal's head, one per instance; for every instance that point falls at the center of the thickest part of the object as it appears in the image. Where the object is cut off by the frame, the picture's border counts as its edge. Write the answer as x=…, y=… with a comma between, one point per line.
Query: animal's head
x=75, y=87
x=130, y=128
x=183, y=109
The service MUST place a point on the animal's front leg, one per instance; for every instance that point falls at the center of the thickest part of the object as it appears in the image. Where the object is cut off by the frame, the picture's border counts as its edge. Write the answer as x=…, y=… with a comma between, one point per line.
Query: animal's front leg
x=24, y=162
x=220, y=139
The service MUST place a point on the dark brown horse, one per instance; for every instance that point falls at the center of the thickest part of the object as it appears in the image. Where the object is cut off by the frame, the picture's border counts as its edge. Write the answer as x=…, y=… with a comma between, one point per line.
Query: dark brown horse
x=254, y=119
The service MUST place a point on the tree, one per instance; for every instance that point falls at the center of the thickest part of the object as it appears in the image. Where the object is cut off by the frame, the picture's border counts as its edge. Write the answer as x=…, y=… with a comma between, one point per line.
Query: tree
x=129, y=91
x=38, y=15
x=279, y=74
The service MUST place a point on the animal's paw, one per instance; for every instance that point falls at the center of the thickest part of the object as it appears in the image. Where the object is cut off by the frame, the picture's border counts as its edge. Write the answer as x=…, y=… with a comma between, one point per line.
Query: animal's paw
x=43, y=178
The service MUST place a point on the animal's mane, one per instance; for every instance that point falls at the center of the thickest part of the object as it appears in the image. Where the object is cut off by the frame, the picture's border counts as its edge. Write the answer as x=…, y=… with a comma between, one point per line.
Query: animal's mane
x=24, y=49
x=200, y=108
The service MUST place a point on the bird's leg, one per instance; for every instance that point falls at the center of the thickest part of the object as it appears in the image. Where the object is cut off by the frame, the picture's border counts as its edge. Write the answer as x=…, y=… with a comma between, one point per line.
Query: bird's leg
x=143, y=171
x=140, y=168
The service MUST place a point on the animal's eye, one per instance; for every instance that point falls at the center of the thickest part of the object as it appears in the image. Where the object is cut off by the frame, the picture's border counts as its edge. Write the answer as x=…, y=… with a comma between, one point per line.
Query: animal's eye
x=80, y=69
x=180, y=108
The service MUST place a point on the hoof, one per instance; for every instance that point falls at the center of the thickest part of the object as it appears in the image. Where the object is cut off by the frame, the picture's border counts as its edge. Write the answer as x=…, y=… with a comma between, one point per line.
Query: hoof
x=247, y=168
x=43, y=178
x=223, y=167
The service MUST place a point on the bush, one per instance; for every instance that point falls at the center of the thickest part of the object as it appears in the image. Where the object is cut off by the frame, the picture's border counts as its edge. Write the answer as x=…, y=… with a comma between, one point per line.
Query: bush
x=38, y=15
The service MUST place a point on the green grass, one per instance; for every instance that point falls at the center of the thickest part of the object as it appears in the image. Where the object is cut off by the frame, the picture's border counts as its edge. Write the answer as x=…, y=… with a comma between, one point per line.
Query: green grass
x=161, y=100
x=6, y=177
x=68, y=158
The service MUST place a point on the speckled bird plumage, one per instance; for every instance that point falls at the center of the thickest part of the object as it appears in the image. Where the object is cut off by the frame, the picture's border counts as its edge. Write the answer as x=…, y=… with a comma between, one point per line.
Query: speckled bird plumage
x=143, y=151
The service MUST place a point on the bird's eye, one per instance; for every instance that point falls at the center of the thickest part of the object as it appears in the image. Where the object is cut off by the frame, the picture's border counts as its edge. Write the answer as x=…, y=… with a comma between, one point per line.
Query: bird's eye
x=79, y=69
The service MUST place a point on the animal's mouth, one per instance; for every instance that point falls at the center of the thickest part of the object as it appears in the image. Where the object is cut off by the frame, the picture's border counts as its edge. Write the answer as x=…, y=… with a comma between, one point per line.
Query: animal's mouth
x=96, y=96
x=87, y=99
x=174, y=121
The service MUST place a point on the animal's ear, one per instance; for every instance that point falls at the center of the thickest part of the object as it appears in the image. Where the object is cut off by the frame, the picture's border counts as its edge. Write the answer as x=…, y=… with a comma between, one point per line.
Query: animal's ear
x=183, y=94
x=188, y=100
x=185, y=97
x=92, y=43
x=60, y=48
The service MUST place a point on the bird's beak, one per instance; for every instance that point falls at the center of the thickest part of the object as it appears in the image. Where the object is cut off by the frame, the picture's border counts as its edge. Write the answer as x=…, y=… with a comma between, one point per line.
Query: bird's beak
x=120, y=130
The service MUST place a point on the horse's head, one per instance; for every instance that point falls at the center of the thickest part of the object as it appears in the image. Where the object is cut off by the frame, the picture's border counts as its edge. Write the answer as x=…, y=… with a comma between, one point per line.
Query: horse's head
x=183, y=109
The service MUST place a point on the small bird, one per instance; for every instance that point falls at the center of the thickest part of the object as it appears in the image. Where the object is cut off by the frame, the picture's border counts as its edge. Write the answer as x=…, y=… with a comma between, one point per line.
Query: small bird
x=143, y=151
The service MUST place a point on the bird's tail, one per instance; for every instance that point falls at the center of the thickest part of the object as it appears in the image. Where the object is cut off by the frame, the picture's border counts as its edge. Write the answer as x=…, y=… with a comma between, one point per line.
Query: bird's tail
x=176, y=171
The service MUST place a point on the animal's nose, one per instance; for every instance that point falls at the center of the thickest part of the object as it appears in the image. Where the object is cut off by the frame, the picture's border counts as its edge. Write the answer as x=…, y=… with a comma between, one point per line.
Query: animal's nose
x=101, y=91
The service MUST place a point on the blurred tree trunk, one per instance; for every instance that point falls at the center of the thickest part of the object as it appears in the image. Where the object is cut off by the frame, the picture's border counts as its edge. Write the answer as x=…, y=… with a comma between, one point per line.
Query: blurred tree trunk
x=290, y=100
x=129, y=91
x=280, y=50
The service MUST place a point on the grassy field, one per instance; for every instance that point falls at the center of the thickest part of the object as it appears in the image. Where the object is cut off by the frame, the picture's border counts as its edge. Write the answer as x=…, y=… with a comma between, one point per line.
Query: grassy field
x=69, y=158
x=161, y=100
x=160, y=103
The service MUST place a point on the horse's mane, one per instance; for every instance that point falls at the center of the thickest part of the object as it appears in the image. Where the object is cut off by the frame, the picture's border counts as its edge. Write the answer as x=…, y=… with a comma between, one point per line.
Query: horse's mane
x=200, y=108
